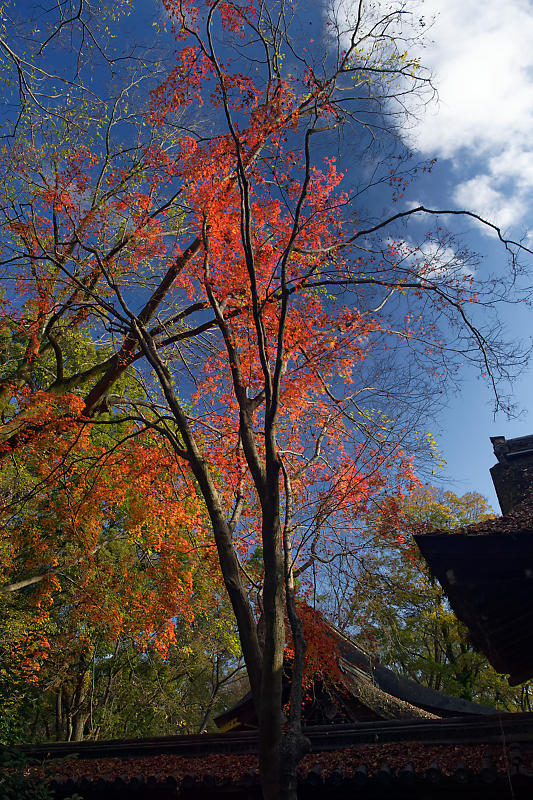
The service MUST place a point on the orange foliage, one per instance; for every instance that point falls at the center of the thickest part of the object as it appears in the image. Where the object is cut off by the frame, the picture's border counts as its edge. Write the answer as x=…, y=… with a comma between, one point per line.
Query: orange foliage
x=322, y=653
x=120, y=531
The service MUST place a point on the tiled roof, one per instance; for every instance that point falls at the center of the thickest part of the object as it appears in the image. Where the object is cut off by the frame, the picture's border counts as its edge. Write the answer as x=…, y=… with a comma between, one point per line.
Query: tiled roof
x=366, y=690
x=497, y=753
x=363, y=764
x=383, y=704
x=393, y=695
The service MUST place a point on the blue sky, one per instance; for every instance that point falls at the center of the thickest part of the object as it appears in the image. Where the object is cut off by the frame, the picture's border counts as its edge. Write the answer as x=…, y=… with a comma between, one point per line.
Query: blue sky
x=479, y=129
x=481, y=56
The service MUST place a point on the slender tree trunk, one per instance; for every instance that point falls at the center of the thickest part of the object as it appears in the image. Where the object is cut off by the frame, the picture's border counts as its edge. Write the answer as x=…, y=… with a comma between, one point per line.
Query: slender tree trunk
x=270, y=713
x=294, y=745
x=59, y=714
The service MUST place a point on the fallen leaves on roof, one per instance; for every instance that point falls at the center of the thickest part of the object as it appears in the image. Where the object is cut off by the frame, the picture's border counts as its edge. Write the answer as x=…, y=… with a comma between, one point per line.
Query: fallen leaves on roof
x=227, y=767
x=520, y=519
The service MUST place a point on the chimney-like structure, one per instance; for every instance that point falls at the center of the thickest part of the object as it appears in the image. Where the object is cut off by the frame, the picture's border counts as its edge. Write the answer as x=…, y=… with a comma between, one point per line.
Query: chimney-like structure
x=512, y=476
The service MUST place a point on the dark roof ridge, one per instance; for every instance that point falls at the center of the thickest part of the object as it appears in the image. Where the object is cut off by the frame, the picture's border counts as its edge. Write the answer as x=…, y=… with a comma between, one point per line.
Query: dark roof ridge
x=405, y=689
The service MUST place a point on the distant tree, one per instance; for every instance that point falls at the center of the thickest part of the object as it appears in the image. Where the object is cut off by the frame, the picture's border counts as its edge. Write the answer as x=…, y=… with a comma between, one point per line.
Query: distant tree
x=115, y=689
x=400, y=613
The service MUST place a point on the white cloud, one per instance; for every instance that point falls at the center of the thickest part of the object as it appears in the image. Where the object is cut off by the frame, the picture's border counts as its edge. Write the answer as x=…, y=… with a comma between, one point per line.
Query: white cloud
x=441, y=261
x=515, y=163
x=481, y=57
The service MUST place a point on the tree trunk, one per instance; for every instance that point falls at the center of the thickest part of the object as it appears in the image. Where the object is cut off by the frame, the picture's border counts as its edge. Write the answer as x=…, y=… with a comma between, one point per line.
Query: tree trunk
x=59, y=714
x=270, y=712
x=78, y=710
x=78, y=726
x=294, y=746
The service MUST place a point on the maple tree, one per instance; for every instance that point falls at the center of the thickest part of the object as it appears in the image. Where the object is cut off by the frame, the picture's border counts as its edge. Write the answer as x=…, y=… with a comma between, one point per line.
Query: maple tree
x=101, y=563
x=285, y=345
x=102, y=585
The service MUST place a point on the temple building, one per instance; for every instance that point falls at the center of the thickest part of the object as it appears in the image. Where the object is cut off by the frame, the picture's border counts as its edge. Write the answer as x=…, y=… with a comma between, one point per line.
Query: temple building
x=486, y=569
x=363, y=691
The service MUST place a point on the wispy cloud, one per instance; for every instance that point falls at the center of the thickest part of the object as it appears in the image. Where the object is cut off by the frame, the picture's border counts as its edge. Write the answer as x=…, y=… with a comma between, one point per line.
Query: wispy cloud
x=434, y=261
